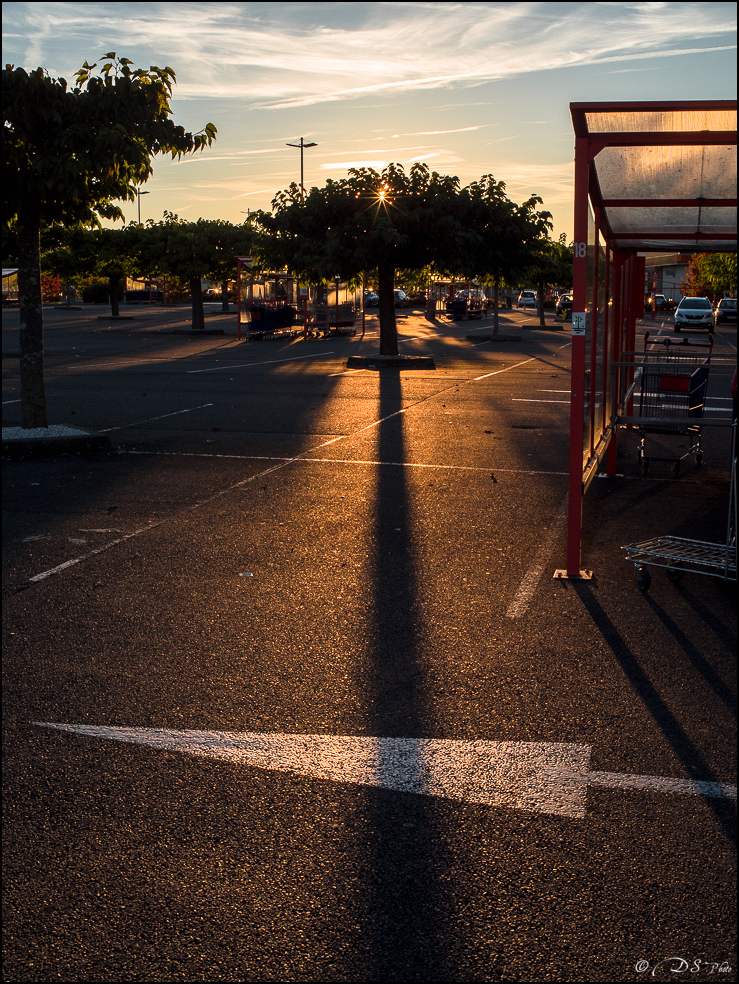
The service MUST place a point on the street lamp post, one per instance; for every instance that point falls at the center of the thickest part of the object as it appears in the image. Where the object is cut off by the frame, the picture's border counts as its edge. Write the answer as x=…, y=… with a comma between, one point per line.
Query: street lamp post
x=302, y=146
x=139, y=193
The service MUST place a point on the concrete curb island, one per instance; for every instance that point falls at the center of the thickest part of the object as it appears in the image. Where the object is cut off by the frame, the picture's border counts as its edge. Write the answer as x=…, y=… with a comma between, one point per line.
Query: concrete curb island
x=42, y=442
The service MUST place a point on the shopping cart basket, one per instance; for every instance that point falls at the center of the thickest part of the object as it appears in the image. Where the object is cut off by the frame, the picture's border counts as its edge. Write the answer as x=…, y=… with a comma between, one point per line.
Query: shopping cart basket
x=672, y=390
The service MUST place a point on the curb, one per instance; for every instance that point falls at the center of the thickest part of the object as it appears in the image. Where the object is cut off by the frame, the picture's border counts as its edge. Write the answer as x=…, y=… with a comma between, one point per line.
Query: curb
x=45, y=447
x=391, y=362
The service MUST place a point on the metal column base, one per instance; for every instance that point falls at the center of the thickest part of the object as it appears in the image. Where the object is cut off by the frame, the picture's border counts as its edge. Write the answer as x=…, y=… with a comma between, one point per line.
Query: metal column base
x=562, y=575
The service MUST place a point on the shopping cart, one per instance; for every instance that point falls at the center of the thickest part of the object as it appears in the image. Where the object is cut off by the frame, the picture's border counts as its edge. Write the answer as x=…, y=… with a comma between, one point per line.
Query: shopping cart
x=671, y=384
x=679, y=555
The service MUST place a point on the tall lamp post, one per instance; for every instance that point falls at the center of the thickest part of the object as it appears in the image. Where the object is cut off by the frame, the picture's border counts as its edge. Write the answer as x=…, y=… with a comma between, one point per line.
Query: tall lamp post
x=139, y=193
x=302, y=146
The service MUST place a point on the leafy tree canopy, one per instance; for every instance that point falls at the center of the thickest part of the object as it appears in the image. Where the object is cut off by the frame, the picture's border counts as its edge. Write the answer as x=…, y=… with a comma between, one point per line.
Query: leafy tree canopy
x=70, y=153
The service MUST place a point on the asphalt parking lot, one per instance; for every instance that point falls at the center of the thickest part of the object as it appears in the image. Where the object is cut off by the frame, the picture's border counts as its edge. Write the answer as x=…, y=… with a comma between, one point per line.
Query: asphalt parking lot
x=320, y=710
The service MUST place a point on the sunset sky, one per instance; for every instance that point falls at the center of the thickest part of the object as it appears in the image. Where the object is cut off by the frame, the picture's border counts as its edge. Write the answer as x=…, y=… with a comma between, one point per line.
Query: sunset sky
x=469, y=88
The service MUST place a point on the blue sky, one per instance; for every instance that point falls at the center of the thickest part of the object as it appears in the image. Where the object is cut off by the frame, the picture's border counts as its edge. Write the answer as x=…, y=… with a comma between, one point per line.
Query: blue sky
x=469, y=88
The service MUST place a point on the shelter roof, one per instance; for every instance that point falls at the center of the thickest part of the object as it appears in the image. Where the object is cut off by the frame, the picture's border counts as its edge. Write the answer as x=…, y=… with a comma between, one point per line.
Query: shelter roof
x=664, y=175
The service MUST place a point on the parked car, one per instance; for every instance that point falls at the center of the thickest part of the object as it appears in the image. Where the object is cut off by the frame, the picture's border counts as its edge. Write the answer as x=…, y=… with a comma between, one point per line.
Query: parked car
x=401, y=299
x=726, y=311
x=417, y=298
x=694, y=312
x=527, y=298
x=371, y=299
x=564, y=304
x=660, y=302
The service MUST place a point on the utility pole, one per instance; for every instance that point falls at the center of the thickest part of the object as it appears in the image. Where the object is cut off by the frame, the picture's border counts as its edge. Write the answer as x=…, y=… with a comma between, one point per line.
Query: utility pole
x=139, y=193
x=302, y=145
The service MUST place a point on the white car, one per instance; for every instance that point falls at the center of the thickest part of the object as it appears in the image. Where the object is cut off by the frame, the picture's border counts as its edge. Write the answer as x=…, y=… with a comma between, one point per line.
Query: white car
x=694, y=312
x=527, y=298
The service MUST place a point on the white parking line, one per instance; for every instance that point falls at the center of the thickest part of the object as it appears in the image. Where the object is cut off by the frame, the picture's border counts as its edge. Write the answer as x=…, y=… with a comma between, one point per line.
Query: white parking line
x=271, y=362
x=6, y=402
x=150, y=419
x=527, y=587
x=282, y=463
x=347, y=461
x=519, y=399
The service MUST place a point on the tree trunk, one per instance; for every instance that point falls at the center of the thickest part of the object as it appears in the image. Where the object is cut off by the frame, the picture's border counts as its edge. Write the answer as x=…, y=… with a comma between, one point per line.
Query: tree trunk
x=496, y=289
x=542, y=322
x=33, y=394
x=196, y=292
x=388, y=327
x=224, y=297
x=114, y=282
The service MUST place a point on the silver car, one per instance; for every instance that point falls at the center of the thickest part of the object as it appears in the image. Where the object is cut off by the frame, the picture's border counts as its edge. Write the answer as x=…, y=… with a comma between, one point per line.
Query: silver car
x=527, y=298
x=694, y=312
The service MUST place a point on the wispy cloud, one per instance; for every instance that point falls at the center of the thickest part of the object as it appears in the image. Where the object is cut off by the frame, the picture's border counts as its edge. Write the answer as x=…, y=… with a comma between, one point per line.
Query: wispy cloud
x=267, y=56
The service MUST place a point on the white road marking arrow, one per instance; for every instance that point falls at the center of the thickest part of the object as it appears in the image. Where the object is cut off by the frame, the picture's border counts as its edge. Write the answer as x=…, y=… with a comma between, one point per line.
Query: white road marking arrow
x=544, y=777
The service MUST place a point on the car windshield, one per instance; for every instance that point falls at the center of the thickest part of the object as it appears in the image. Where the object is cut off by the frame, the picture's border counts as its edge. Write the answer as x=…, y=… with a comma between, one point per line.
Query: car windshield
x=728, y=302
x=701, y=303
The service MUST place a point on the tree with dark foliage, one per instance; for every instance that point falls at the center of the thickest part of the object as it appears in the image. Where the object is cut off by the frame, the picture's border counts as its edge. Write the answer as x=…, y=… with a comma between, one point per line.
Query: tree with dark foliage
x=68, y=155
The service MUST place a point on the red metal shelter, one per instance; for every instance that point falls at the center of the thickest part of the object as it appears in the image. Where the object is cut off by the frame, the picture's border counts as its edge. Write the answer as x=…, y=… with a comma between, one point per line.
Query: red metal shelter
x=649, y=177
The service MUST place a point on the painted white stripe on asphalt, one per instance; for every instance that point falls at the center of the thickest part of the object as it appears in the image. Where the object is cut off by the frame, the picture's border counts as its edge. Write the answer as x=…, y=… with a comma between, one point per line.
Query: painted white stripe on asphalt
x=542, y=777
x=528, y=586
x=106, y=546
x=507, y=369
x=283, y=463
x=150, y=419
x=272, y=362
x=6, y=402
x=662, y=784
x=346, y=461
x=520, y=399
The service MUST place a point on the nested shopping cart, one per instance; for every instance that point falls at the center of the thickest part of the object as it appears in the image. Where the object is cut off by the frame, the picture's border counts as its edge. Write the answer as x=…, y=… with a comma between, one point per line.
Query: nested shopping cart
x=671, y=386
x=679, y=554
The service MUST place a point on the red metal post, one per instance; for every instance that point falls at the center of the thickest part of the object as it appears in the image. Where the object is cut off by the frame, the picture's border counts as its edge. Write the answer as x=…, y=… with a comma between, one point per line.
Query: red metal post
x=616, y=349
x=577, y=391
x=238, y=299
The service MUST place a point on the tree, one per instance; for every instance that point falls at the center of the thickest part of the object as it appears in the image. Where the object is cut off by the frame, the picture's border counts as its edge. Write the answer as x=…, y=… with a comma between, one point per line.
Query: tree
x=501, y=238
x=68, y=156
x=711, y=273
x=191, y=251
x=368, y=221
x=551, y=266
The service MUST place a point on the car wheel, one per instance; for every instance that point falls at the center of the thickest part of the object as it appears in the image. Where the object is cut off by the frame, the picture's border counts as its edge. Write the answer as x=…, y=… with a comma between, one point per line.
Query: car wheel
x=676, y=328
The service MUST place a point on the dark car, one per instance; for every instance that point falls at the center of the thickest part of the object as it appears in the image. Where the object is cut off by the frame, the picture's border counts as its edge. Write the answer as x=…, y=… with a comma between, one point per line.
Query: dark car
x=401, y=299
x=564, y=305
x=417, y=298
x=371, y=299
x=726, y=311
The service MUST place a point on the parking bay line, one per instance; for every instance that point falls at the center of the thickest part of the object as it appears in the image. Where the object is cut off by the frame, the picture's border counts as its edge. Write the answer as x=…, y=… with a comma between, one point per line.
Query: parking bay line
x=349, y=461
x=527, y=587
x=271, y=362
x=540, y=777
x=149, y=420
x=283, y=463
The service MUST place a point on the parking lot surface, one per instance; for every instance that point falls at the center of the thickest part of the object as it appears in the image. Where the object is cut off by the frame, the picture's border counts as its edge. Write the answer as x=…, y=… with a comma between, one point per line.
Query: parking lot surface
x=290, y=692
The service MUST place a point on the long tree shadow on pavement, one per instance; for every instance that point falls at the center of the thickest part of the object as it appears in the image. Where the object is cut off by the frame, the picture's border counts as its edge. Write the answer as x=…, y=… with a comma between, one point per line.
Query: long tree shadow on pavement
x=406, y=920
